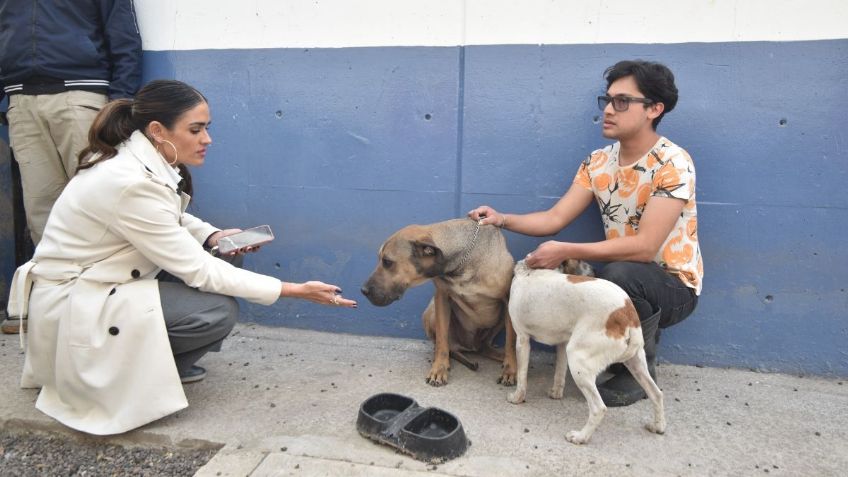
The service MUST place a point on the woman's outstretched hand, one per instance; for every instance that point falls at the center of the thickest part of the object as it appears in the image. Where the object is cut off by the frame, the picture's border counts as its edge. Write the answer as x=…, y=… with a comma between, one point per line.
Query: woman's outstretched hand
x=317, y=292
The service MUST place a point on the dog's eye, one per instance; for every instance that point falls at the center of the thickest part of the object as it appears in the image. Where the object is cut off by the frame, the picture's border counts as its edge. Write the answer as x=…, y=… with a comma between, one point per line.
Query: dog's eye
x=387, y=263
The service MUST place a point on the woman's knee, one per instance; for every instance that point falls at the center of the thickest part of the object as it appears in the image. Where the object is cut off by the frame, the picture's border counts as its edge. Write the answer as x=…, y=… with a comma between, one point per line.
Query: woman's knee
x=221, y=316
x=229, y=313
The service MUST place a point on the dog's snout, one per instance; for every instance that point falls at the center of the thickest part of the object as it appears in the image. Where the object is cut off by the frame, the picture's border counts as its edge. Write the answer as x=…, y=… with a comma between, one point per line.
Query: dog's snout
x=377, y=295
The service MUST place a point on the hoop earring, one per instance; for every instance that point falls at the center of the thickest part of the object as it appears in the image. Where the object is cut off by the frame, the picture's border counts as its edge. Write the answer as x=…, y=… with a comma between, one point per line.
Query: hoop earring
x=176, y=154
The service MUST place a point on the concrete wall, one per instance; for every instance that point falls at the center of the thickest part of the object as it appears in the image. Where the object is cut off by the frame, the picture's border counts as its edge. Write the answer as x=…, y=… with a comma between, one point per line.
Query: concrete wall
x=340, y=121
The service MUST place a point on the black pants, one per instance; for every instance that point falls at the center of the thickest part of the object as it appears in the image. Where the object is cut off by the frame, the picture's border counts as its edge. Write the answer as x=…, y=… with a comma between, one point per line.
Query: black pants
x=652, y=290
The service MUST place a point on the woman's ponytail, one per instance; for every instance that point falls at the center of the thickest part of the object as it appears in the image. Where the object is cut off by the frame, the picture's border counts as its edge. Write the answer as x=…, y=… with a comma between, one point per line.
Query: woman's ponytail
x=113, y=125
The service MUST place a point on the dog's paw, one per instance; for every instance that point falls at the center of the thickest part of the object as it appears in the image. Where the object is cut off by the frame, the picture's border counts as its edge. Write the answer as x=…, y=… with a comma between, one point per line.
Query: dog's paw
x=576, y=437
x=516, y=397
x=656, y=428
x=508, y=372
x=555, y=392
x=507, y=378
x=438, y=376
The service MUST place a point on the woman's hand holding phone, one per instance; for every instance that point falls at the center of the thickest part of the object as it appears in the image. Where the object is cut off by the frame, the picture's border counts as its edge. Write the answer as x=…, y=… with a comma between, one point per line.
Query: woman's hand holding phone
x=237, y=241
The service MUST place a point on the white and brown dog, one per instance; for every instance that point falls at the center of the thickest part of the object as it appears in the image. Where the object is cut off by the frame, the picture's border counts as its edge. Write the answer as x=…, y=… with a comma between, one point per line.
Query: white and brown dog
x=592, y=323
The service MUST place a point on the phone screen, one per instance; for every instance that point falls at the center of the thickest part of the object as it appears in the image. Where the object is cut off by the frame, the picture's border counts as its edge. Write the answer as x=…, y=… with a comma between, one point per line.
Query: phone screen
x=247, y=238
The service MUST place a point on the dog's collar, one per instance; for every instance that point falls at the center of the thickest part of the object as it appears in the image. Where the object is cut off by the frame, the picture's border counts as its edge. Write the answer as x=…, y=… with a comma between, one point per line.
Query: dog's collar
x=467, y=252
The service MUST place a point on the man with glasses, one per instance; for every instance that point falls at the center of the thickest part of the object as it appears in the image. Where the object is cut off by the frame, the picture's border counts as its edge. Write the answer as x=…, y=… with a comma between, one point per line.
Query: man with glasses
x=645, y=187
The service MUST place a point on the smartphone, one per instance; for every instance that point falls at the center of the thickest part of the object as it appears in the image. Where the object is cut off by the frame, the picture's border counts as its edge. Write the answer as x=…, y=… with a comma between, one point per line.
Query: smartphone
x=246, y=238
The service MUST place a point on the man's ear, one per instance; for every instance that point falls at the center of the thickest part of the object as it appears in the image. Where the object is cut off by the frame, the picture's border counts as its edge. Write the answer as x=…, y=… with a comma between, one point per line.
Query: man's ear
x=655, y=109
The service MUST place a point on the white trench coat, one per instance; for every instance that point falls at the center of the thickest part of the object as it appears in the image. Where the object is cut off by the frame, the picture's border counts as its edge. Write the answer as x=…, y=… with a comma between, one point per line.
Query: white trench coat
x=97, y=344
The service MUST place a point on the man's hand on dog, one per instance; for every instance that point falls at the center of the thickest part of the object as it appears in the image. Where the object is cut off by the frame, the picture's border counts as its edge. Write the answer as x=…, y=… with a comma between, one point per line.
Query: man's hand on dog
x=487, y=216
x=549, y=255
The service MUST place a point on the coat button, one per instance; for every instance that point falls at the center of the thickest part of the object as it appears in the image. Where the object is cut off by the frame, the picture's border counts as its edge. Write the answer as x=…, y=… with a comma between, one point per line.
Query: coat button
x=135, y=273
x=113, y=330
x=112, y=292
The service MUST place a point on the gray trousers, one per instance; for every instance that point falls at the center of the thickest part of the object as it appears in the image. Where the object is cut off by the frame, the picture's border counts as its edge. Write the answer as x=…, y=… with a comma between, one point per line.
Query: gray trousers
x=197, y=322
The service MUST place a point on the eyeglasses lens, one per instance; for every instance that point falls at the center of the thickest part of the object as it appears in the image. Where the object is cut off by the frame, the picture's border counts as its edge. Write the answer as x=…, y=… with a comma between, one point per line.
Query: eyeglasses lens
x=619, y=103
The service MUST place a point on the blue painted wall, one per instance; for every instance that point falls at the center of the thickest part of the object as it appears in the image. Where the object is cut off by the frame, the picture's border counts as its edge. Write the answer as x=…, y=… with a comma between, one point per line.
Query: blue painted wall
x=338, y=148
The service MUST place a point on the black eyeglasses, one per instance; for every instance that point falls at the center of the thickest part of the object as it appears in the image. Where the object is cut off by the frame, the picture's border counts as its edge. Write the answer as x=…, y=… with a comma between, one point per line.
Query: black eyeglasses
x=621, y=103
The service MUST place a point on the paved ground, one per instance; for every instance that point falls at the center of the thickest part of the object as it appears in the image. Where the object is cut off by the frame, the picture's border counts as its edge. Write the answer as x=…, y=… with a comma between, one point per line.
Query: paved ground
x=284, y=402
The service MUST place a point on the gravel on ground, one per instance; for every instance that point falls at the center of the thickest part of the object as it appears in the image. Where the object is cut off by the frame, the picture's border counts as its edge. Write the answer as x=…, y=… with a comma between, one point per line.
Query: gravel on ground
x=24, y=454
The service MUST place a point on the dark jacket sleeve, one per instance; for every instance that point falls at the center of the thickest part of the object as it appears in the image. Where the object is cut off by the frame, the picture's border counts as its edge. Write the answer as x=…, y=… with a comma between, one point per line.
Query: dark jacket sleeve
x=120, y=29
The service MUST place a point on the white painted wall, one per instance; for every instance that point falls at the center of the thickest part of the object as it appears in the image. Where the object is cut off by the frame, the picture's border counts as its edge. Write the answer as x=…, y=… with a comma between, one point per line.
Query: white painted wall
x=228, y=24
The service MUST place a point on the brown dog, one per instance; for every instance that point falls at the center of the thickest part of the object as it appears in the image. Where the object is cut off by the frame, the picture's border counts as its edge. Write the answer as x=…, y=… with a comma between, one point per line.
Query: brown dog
x=472, y=271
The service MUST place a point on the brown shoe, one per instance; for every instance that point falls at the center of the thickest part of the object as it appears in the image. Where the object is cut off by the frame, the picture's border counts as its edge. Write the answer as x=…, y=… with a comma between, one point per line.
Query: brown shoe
x=11, y=326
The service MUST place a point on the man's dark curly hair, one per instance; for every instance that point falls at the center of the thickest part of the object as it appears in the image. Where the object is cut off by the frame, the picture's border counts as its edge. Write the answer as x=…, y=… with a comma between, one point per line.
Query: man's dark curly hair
x=654, y=80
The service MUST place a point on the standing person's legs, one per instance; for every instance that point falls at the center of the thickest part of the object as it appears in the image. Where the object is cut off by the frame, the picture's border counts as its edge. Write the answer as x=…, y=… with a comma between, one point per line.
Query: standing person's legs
x=69, y=116
x=42, y=173
x=661, y=300
x=46, y=132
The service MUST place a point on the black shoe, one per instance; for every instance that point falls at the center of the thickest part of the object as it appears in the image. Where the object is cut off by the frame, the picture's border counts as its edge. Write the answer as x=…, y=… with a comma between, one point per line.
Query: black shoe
x=621, y=390
x=194, y=374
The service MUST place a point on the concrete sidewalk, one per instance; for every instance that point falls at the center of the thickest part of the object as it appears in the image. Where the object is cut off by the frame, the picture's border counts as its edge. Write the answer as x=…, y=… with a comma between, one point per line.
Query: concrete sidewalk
x=284, y=402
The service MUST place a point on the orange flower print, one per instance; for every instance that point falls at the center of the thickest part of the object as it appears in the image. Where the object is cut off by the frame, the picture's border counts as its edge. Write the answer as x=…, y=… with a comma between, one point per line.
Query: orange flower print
x=692, y=228
x=582, y=177
x=598, y=161
x=667, y=180
x=675, y=252
x=612, y=233
x=643, y=195
x=655, y=157
x=601, y=181
x=628, y=179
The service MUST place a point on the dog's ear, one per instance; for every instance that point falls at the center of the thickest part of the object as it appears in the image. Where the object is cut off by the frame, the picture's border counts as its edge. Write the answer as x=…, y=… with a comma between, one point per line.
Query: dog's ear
x=424, y=248
x=430, y=261
x=577, y=267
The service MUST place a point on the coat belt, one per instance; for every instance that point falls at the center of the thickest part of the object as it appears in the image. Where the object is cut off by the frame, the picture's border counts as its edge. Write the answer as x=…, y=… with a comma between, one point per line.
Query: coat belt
x=22, y=282
x=19, y=296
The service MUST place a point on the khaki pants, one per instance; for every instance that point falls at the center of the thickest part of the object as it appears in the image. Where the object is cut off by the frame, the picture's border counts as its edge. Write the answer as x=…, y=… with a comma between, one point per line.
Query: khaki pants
x=46, y=132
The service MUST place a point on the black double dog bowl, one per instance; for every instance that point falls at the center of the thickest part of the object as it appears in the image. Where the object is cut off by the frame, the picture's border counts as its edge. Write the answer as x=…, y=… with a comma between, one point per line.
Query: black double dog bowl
x=426, y=433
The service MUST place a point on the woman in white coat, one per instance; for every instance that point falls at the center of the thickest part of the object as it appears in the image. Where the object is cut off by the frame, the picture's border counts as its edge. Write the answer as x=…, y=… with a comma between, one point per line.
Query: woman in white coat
x=108, y=343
